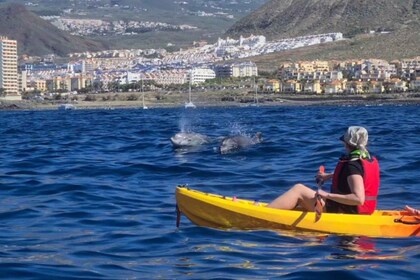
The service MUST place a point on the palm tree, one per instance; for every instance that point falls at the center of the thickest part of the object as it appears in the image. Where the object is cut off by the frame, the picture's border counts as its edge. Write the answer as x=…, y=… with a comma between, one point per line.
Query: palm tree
x=2, y=92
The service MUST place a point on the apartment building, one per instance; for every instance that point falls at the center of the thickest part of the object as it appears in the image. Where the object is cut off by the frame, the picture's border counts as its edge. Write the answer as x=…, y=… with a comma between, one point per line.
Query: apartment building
x=40, y=85
x=312, y=87
x=291, y=86
x=272, y=86
x=313, y=66
x=396, y=85
x=172, y=77
x=375, y=87
x=9, y=69
x=354, y=87
x=410, y=64
x=408, y=68
x=334, y=87
x=244, y=69
x=67, y=83
x=373, y=70
x=309, y=71
x=22, y=80
x=200, y=75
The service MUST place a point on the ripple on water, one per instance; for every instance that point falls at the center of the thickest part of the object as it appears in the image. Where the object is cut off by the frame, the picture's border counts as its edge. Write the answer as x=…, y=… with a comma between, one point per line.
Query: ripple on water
x=89, y=194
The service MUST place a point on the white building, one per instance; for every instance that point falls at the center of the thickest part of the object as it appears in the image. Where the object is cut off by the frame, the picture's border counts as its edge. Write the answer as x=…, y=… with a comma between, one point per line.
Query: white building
x=200, y=75
x=9, y=69
x=253, y=41
x=131, y=77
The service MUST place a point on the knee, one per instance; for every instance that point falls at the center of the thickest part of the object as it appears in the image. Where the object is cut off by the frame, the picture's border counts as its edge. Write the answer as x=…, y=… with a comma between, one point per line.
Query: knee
x=300, y=190
x=298, y=187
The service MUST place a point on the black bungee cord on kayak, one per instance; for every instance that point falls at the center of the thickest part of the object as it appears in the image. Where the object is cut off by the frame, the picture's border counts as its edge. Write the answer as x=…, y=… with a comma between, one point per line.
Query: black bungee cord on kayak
x=403, y=221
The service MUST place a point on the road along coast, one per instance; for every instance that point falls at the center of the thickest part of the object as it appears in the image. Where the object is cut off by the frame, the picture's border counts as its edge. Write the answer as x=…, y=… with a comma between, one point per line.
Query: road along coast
x=208, y=99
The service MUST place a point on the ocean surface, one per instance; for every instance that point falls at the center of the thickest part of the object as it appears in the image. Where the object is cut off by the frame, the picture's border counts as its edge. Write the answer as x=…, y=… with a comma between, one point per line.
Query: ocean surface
x=89, y=194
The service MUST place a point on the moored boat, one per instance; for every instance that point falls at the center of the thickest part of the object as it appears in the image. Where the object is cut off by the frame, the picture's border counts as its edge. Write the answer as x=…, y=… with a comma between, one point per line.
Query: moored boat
x=66, y=107
x=144, y=105
x=216, y=211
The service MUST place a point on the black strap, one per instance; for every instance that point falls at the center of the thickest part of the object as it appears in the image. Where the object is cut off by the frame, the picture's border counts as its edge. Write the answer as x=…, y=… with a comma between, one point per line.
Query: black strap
x=400, y=220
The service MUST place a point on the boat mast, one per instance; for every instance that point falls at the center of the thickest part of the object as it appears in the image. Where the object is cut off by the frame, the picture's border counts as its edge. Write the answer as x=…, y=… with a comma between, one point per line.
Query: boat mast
x=256, y=91
x=189, y=88
x=141, y=90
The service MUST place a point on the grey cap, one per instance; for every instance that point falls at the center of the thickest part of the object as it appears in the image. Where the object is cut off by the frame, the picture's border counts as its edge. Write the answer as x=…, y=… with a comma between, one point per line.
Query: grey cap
x=356, y=136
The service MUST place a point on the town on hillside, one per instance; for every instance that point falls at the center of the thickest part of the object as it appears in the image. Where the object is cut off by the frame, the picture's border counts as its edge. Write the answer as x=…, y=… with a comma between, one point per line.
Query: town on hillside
x=202, y=65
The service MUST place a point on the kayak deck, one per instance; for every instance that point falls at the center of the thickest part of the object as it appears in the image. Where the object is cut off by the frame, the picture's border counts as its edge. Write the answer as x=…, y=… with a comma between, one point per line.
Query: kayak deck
x=216, y=211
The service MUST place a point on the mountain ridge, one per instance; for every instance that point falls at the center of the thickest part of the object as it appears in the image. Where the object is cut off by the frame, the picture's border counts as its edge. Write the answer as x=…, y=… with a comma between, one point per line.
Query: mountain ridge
x=290, y=18
x=211, y=17
x=382, y=29
x=38, y=37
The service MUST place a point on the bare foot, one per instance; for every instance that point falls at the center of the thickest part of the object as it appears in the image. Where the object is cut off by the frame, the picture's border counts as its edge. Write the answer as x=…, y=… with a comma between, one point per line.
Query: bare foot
x=412, y=210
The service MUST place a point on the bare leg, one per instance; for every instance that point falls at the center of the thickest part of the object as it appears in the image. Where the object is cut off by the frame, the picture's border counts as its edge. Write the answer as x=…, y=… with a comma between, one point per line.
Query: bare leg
x=298, y=195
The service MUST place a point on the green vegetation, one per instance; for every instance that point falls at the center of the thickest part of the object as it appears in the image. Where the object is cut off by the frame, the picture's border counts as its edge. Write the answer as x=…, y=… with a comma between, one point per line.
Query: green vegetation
x=2, y=92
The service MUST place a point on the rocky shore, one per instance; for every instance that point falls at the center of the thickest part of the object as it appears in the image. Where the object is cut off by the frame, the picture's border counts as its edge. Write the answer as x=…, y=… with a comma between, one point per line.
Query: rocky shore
x=208, y=99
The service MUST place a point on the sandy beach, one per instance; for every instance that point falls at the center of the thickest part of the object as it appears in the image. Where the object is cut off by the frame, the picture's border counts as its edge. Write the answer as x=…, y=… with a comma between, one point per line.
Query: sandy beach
x=207, y=99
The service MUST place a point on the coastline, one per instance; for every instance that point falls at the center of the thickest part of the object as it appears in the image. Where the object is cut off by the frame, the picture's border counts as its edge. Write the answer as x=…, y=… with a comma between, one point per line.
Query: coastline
x=213, y=99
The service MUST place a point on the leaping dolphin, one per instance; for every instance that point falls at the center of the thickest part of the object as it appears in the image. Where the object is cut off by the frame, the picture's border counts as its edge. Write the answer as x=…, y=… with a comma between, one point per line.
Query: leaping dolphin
x=233, y=143
x=189, y=139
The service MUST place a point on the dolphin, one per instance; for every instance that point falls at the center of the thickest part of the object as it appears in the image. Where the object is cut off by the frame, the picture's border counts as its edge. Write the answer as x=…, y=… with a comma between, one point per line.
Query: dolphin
x=233, y=143
x=189, y=139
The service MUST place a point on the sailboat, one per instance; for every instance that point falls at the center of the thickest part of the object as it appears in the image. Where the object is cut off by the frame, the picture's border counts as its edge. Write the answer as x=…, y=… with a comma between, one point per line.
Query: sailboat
x=141, y=89
x=189, y=104
x=256, y=94
x=144, y=105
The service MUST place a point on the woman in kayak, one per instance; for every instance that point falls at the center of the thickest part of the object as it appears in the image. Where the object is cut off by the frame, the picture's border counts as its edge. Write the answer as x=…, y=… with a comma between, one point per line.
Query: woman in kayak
x=355, y=181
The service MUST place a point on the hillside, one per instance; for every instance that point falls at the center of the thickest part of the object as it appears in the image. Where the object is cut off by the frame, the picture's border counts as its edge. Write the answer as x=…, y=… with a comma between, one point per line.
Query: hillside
x=211, y=17
x=289, y=18
x=354, y=18
x=38, y=37
x=386, y=46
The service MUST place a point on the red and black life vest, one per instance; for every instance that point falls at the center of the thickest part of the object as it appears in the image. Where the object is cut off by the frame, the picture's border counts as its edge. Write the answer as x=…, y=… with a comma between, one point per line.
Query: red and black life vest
x=371, y=183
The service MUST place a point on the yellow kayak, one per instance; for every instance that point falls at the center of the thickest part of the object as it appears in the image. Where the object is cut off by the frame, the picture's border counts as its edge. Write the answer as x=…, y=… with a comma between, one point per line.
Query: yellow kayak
x=216, y=211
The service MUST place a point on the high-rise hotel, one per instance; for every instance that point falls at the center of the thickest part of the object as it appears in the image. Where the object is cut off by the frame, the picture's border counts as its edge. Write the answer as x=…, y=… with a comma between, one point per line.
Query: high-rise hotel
x=8, y=69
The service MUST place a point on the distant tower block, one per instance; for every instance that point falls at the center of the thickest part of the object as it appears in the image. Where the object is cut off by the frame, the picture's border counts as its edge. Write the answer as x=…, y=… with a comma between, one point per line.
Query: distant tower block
x=9, y=82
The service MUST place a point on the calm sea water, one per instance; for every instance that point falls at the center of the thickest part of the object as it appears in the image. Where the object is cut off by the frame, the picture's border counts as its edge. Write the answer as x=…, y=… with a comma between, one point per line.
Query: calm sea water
x=89, y=194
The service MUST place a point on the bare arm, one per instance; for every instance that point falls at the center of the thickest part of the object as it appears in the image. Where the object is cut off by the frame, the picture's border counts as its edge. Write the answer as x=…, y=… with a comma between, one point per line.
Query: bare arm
x=357, y=197
x=324, y=176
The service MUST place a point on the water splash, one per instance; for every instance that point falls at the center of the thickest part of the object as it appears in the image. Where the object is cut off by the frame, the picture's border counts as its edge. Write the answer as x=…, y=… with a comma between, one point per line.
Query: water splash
x=238, y=129
x=184, y=124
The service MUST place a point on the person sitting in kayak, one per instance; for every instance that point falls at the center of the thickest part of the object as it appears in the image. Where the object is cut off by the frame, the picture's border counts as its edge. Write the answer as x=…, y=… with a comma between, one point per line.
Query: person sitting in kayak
x=355, y=181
